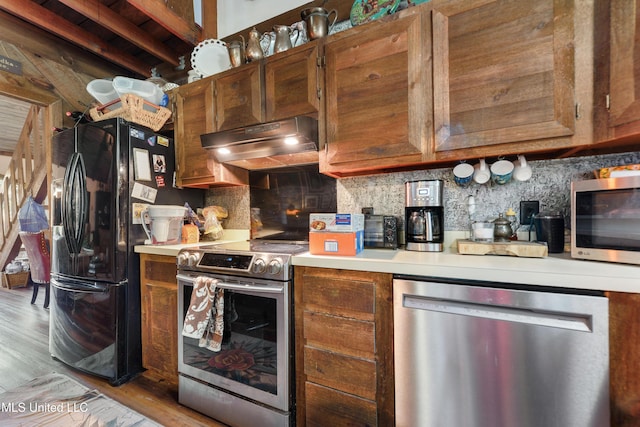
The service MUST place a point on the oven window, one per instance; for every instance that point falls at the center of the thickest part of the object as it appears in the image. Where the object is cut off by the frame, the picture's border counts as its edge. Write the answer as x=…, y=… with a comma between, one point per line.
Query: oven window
x=249, y=345
x=608, y=219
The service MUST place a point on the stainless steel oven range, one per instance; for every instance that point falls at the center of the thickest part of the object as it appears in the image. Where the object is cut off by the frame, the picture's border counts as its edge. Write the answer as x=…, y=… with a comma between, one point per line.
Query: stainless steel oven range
x=250, y=379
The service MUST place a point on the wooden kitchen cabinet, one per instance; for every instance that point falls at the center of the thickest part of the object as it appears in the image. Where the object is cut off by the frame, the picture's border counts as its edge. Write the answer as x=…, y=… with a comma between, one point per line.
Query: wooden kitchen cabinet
x=159, y=311
x=459, y=79
x=239, y=97
x=195, y=115
x=281, y=86
x=505, y=77
x=623, y=74
x=344, y=347
x=293, y=82
x=378, y=95
x=624, y=354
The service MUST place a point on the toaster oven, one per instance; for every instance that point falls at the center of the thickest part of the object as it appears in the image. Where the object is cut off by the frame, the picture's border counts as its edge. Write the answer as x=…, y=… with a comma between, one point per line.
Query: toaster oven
x=380, y=231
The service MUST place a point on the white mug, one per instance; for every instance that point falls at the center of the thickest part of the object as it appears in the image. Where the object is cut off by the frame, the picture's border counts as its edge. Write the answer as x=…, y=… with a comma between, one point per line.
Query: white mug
x=522, y=171
x=481, y=173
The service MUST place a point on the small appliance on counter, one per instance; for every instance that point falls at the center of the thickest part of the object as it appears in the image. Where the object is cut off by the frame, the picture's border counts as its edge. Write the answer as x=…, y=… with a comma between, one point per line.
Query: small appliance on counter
x=424, y=216
x=380, y=231
x=165, y=224
x=605, y=219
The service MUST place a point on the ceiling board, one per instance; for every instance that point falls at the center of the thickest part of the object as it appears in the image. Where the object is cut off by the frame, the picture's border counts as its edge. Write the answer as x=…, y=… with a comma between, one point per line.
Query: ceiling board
x=14, y=113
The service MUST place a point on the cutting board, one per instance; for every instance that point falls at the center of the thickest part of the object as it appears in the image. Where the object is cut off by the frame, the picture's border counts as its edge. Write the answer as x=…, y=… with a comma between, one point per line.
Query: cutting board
x=512, y=248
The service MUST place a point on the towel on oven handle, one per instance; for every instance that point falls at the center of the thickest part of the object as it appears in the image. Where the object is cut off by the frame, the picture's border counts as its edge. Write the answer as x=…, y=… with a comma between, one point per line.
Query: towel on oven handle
x=204, y=318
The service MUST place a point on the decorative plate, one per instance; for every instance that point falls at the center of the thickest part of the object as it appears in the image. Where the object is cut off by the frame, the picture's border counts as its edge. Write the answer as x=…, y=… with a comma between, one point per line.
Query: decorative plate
x=364, y=11
x=210, y=57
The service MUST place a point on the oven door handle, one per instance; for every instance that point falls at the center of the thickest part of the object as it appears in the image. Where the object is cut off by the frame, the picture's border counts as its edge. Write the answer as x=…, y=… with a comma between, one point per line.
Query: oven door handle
x=274, y=289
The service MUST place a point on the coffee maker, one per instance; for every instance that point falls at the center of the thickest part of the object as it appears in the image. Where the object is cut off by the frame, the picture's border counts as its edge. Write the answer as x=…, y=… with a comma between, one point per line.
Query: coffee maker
x=424, y=216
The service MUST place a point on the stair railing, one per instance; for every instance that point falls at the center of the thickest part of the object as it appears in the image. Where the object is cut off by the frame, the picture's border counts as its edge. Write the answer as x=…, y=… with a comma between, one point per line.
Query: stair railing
x=25, y=176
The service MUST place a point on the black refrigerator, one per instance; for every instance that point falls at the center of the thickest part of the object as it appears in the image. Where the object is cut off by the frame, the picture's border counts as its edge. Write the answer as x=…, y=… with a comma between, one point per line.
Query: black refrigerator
x=103, y=173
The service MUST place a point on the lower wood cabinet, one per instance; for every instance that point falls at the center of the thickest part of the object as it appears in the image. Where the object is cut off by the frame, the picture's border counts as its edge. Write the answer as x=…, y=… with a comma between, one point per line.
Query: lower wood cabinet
x=159, y=299
x=624, y=356
x=344, y=347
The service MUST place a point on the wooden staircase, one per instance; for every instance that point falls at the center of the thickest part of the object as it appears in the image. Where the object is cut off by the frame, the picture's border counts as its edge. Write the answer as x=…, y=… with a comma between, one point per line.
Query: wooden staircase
x=26, y=175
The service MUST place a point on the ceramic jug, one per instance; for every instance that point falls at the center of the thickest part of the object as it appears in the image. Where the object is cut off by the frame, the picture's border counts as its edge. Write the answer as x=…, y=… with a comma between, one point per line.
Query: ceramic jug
x=254, y=51
x=283, y=38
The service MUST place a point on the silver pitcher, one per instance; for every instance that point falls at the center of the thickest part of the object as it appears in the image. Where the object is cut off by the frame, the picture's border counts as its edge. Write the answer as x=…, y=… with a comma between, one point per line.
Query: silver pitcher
x=283, y=38
x=317, y=20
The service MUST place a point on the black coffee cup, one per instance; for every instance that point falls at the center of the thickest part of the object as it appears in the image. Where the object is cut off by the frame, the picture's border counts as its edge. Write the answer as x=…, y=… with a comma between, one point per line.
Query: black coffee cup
x=549, y=228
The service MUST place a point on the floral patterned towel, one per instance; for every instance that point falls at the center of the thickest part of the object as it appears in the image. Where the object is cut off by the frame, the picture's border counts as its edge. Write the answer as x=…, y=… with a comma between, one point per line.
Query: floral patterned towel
x=212, y=338
x=204, y=319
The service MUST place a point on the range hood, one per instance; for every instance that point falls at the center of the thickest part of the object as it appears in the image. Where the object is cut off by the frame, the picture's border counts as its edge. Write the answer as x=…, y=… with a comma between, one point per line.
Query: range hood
x=291, y=141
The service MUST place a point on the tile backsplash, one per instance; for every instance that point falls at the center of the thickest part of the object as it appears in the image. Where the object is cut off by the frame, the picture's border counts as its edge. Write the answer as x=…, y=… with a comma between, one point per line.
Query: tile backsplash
x=550, y=184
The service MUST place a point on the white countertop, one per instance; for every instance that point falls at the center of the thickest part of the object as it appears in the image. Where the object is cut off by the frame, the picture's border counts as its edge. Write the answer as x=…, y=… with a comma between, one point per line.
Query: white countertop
x=555, y=270
x=230, y=235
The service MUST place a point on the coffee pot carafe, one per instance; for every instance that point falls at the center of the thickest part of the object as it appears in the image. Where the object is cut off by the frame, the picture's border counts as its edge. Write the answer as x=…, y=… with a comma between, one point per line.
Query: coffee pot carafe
x=424, y=216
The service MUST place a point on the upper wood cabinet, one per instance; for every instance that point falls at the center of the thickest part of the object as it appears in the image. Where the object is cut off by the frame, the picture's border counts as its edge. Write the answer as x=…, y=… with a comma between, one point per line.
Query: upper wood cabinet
x=457, y=79
x=378, y=95
x=239, y=97
x=280, y=86
x=504, y=76
x=194, y=116
x=623, y=72
x=293, y=82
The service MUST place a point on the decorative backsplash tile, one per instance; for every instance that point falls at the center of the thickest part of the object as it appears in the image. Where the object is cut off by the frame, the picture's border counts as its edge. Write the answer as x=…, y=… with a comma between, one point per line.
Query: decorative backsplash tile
x=236, y=200
x=550, y=184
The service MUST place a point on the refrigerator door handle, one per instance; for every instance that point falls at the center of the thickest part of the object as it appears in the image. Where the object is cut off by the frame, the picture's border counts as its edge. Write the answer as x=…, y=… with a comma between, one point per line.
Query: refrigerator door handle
x=81, y=179
x=79, y=288
x=66, y=208
x=75, y=186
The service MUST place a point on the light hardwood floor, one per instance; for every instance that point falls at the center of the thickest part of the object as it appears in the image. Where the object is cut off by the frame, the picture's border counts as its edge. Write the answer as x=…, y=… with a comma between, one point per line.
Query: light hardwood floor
x=24, y=355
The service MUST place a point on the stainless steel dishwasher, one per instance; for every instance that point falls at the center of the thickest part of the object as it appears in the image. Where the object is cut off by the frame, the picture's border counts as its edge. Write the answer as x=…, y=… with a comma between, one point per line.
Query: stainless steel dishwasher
x=489, y=355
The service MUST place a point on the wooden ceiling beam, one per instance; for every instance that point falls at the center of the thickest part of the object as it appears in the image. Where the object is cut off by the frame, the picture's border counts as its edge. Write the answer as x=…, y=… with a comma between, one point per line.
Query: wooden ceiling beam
x=107, y=18
x=159, y=12
x=44, y=18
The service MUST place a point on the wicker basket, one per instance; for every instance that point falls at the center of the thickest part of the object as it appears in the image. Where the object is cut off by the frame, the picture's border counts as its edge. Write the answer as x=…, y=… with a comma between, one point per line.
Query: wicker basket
x=132, y=110
x=16, y=280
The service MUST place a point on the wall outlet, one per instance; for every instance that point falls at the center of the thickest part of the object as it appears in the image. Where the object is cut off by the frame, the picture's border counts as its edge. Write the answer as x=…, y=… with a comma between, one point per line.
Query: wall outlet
x=528, y=209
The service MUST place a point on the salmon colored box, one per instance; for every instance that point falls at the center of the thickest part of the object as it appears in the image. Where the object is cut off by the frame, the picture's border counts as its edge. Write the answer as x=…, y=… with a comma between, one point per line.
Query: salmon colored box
x=331, y=243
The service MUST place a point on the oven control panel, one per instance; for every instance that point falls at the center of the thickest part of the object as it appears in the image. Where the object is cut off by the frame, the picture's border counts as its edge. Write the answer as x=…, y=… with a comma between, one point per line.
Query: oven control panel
x=263, y=265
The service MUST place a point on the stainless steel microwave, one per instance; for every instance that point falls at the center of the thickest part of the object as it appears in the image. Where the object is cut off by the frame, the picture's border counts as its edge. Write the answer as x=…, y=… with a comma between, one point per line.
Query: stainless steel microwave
x=605, y=219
